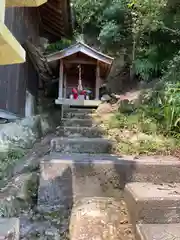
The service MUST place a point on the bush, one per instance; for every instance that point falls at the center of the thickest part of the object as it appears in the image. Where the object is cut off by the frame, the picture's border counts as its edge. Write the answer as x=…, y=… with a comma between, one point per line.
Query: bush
x=126, y=107
x=135, y=121
x=164, y=106
x=8, y=161
x=59, y=45
x=117, y=121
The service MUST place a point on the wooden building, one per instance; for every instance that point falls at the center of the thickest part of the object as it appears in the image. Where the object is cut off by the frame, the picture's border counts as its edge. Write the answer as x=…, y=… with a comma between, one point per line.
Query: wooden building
x=22, y=20
x=80, y=67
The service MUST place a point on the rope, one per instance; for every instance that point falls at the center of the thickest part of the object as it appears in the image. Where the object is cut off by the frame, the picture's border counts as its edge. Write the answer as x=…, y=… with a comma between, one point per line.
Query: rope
x=80, y=78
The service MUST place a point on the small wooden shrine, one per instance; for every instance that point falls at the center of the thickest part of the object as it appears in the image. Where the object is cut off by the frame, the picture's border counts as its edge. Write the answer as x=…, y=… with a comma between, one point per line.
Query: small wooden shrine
x=82, y=71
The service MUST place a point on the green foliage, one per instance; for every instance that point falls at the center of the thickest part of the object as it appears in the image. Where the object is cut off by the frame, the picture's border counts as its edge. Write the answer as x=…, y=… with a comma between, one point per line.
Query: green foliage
x=163, y=101
x=164, y=106
x=136, y=121
x=8, y=160
x=126, y=106
x=138, y=134
x=147, y=65
x=151, y=28
x=150, y=31
x=105, y=18
x=156, y=30
x=57, y=46
x=109, y=33
x=15, y=154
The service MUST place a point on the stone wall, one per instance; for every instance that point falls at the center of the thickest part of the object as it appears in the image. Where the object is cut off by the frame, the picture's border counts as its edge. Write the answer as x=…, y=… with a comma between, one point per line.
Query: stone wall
x=23, y=133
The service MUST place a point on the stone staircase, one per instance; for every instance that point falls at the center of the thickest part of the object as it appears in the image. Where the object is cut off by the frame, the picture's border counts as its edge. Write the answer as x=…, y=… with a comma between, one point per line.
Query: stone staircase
x=85, y=183
x=78, y=181
x=87, y=193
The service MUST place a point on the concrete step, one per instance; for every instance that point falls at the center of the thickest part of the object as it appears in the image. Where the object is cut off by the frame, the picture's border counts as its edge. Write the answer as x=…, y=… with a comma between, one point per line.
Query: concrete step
x=55, y=188
x=78, y=110
x=78, y=115
x=90, y=132
x=130, y=169
x=66, y=178
x=158, y=232
x=81, y=145
x=99, y=218
x=77, y=122
x=153, y=203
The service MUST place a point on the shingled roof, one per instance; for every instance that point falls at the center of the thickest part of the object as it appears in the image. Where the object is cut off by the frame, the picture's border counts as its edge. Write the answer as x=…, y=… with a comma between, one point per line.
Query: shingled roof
x=56, y=17
x=80, y=47
x=104, y=60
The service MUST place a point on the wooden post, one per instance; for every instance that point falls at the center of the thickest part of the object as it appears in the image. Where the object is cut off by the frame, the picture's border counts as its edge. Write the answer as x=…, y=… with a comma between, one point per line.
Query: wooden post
x=2, y=10
x=97, y=81
x=61, y=73
x=65, y=85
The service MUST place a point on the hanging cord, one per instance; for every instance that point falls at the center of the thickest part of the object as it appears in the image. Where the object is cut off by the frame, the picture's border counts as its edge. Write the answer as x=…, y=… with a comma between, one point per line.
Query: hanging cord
x=80, y=79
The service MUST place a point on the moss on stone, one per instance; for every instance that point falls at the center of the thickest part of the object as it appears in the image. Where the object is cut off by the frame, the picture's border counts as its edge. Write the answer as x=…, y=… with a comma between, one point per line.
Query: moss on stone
x=18, y=195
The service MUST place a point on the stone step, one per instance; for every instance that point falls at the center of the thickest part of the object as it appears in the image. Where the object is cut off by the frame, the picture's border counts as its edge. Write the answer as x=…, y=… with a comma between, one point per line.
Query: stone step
x=81, y=145
x=39, y=229
x=77, y=122
x=55, y=191
x=130, y=169
x=99, y=218
x=79, y=110
x=153, y=203
x=9, y=228
x=66, y=178
x=78, y=115
x=158, y=231
x=90, y=132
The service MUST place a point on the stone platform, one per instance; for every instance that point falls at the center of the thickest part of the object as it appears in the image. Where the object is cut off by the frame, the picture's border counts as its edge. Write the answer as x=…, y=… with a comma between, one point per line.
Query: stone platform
x=153, y=203
x=79, y=103
x=158, y=232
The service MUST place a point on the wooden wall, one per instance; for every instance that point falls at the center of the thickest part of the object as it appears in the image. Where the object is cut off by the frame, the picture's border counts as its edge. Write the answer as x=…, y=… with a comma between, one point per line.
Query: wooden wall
x=15, y=79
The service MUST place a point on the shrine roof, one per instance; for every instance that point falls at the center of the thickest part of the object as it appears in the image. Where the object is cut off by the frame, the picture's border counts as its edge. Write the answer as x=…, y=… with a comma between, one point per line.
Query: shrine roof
x=83, y=48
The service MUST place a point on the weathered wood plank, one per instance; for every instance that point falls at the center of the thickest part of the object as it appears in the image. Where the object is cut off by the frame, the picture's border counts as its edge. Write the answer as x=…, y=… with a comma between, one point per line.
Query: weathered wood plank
x=15, y=79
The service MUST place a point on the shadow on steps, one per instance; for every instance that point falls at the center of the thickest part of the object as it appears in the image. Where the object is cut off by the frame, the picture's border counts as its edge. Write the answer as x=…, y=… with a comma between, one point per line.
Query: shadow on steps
x=86, y=187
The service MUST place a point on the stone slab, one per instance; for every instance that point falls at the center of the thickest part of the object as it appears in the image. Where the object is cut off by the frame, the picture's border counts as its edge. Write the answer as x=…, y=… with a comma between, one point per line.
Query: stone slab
x=78, y=110
x=77, y=122
x=81, y=145
x=90, y=132
x=77, y=176
x=78, y=115
x=153, y=203
x=99, y=218
x=9, y=228
x=78, y=102
x=55, y=187
x=63, y=183
x=127, y=168
x=158, y=232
